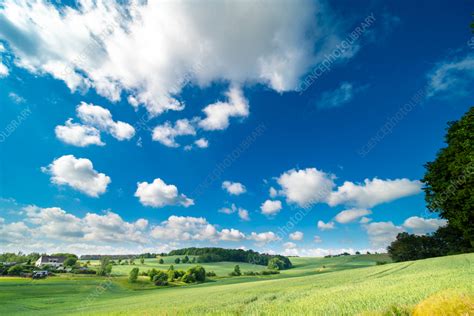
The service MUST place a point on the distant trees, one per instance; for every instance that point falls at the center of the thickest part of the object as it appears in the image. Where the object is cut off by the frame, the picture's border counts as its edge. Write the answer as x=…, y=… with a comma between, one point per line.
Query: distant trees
x=445, y=241
x=211, y=254
x=133, y=276
x=185, y=259
x=449, y=179
x=161, y=261
x=70, y=261
x=177, y=260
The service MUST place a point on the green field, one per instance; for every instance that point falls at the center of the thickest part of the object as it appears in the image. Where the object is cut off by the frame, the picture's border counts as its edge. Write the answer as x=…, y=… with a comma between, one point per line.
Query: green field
x=344, y=286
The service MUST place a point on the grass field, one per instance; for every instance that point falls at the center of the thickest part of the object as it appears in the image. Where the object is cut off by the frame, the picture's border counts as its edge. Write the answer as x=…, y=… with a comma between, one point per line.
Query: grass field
x=345, y=286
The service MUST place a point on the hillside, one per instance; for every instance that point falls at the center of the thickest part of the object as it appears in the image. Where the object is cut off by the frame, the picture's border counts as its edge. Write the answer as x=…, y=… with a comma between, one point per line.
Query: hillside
x=343, y=285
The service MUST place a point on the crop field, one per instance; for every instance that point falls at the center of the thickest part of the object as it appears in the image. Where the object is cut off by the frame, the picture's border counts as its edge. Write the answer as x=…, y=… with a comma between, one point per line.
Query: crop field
x=352, y=285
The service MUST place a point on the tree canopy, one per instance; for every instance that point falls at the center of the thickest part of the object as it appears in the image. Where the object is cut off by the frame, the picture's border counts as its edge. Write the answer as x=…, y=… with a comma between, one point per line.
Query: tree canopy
x=449, y=180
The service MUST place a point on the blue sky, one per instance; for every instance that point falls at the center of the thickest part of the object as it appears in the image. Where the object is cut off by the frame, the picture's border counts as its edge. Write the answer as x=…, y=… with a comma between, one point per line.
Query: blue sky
x=183, y=118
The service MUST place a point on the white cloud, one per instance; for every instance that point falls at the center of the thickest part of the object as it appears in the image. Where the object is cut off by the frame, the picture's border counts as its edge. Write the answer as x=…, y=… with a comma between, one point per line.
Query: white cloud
x=421, y=226
x=160, y=194
x=381, y=234
x=219, y=113
x=373, y=192
x=351, y=215
x=202, y=143
x=453, y=77
x=3, y=70
x=79, y=174
x=306, y=186
x=296, y=235
x=264, y=238
x=170, y=44
x=321, y=252
x=337, y=97
x=101, y=118
x=289, y=245
x=234, y=188
x=231, y=235
x=229, y=210
x=317, y=239
x=167, y=133
x=365, y=220
x=244, y=214
x=273, y=192
x=185, y=228
x=78, y=134
x=325, y=226
x=270, y=207
x=16, y=232
x=16, y=98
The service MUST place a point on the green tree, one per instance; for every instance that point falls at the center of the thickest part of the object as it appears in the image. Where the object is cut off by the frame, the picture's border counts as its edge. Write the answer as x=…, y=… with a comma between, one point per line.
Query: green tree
x=70, y=261
x=161, y=261
x=142, y=260
x=237, y=270
x=177, y=260
x=133, y=276
x=449, y=180
x=185, y=259
x=276, y=264
x=160, y=278
x=15, y=270
x=105, y=267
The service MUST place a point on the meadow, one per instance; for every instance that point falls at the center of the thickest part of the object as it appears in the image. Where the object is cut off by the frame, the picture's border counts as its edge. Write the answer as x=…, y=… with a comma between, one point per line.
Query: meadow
x=349, y=285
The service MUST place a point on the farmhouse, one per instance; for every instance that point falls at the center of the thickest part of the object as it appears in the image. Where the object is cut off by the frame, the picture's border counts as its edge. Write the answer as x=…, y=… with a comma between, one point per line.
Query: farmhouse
x=50, y=260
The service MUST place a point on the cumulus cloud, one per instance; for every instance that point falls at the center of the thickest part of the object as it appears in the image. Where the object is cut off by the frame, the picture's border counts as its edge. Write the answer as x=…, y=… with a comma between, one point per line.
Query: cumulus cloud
x=101, y=118
x=289, y=245
x=79, y=174
x=219, y=113
x=244, y=214
x=373, y=192
x=296, y=235
x=325, y=226
x=263, y=238
x=321, y=252
x=364, y=220
x=231, y=235
x=381, y=234
x=78, y=134
x=160, y=194
x=270, y=207
x=3, y=70
x=167, y=132
x=202, y=143
x=170, y=45
x=317, y=239
x=234, y=188
x=273, y=192
x=351, y=215
x=307, y=186
x=453, y=77
x=422, y=226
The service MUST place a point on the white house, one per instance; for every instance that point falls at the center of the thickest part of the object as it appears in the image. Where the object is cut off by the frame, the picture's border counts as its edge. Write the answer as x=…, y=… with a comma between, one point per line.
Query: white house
x=50, y=260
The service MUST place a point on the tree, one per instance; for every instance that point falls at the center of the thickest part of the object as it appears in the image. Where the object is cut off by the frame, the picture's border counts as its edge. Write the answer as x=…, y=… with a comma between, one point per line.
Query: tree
x=133, y=276
x=195, y=274
x=357, y=252
x=160, y=278
x=449, y=179
x=142, y=260
x=15, y=270
x=132, y=261
x=275, y=264
x=105, y=267
x=161, y=261
x=185, y=259
x=237, y=270
x=194, y=260
x=70, y=261
x=177, y=260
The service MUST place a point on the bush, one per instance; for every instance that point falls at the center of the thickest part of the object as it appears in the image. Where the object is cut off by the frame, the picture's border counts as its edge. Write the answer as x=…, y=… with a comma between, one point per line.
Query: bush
x=177, y=260
x=195, y=274
x=211, y=274
x=250, y=273
x=133, y=276
x=161, y=261
x=236, y=271
x=160, y=278
x=276, y=264
x=15, y=270
x=379, y=263
x=268, y=272
x=151, y=273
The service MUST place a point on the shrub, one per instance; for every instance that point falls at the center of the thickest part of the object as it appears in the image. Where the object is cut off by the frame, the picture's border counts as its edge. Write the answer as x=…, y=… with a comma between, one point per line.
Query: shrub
x=211, y=274
x=195, y=274
x=177, y=260
x=133, y=276
x=151, y=273
x=379, y=263
x=268, y=272
x=160, y=278
x=15, y=270
x=161, y=261
x=276, y=264
x=250, y=273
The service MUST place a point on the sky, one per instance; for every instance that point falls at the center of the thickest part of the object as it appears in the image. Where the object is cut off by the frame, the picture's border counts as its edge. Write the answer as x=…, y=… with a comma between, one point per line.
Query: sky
x=291, y=127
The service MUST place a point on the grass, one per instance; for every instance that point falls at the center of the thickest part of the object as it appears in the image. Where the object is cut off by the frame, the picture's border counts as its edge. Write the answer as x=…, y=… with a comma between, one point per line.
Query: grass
x=345, y=286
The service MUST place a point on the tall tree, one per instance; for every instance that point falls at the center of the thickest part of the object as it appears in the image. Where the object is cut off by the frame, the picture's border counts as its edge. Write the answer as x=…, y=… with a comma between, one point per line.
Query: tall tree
x=449, y=179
